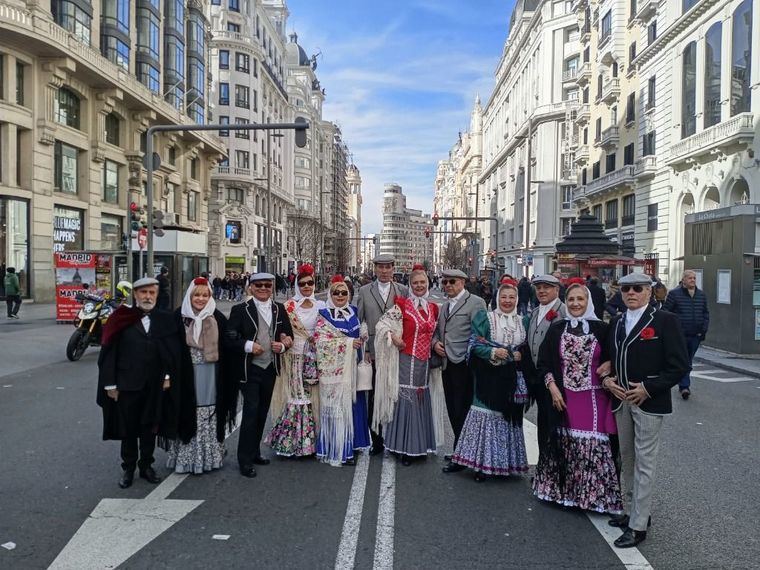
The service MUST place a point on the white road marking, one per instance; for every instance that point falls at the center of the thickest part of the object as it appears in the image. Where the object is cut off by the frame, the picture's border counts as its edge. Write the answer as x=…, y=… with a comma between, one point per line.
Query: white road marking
x=385, y=516
x=706, y=376
x=630, y=557
x=352, y=522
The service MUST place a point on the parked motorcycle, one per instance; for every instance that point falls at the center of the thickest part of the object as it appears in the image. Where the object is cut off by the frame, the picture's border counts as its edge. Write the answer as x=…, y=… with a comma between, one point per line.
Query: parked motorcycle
x=92, y=317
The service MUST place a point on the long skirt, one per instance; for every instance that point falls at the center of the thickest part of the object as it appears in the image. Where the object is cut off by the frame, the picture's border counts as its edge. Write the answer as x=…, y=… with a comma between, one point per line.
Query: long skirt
x=294, y=432
x=203, y=452
x=411, y=431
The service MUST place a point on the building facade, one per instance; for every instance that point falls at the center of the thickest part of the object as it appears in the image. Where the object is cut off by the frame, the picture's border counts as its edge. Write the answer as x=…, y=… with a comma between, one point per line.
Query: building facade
x=406, y=231
x=80, y=84
x=369, y=251
x=354, y=181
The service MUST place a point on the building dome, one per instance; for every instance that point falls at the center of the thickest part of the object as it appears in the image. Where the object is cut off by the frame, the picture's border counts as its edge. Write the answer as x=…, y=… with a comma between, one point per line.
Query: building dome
x=303, y=59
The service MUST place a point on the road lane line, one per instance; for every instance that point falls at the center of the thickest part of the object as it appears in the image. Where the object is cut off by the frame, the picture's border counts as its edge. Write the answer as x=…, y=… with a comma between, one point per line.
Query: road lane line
x=352, y=523
x=630, y=557
x=385, y=516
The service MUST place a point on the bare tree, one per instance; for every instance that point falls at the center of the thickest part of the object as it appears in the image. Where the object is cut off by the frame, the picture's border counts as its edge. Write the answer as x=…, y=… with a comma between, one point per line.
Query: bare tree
x=454, y=256
x=304, y=237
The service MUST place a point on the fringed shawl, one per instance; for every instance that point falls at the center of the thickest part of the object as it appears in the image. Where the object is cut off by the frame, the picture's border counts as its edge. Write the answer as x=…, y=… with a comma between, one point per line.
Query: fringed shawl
x=386, y=367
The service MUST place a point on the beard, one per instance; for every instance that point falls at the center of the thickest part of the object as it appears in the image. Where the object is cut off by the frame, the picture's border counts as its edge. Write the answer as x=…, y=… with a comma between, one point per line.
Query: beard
x=146, y=305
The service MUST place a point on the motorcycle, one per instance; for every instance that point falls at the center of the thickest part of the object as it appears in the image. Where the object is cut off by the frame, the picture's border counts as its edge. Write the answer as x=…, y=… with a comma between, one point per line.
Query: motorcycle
x=89, y=323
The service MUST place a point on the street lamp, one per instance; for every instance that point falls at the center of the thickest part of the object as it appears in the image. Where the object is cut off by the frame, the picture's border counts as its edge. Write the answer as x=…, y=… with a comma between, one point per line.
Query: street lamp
x=268, y=257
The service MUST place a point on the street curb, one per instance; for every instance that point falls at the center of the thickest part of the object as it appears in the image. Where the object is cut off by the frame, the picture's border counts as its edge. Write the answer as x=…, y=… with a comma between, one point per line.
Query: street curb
x=728, y=367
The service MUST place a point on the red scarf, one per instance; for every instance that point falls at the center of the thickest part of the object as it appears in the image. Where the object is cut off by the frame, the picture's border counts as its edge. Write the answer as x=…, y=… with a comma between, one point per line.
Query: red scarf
x=119, y=320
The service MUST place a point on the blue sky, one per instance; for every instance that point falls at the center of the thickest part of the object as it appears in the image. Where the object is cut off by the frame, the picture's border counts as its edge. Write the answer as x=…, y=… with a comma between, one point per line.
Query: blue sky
x=401, y=80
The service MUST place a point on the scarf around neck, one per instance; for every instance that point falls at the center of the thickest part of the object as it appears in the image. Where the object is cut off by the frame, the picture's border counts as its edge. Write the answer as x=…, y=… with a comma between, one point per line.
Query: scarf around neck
x=589, y=315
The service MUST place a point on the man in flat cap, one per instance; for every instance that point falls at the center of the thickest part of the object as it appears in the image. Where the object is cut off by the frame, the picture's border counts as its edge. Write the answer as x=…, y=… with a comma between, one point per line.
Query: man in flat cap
x=550, y=309
x=141, y=386
x=259, y=331
x=648, y=357
x=372, y=301
x=450, y=342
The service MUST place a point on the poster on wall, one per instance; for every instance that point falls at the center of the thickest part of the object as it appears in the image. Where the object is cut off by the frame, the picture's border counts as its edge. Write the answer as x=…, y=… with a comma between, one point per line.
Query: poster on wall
x=72, y=272
x=724, y=286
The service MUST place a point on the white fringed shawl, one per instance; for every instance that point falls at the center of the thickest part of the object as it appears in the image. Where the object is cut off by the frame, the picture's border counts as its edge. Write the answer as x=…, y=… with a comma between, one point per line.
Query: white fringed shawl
x=386, y=367
x=438, y=405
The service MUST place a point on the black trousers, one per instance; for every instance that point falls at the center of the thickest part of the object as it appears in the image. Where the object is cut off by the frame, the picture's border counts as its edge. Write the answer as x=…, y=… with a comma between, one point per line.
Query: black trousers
x=257, y=395
x=13, y=302
x=131, y=405
x=377, y=438
x=543, y=414
x=458, y=387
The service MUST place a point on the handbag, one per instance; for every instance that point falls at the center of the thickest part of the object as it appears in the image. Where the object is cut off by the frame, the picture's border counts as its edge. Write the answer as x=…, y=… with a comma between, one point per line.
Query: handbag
x=364, y=374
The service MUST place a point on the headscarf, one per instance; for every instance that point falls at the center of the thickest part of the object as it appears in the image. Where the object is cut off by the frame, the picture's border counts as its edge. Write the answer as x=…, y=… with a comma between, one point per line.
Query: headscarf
x=509, y=321
x=306, y=270
x=419, y=301
x=589, y=315
x=189, y=313
x=345, y=312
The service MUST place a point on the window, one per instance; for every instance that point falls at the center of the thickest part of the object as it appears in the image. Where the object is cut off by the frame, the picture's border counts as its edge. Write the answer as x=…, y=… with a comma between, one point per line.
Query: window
x=585, y=135
x=628, y=154
x=564, y=226
x=224, y=120
x=172, y=158
x=242, y=62
x=192, y=206
x=584, y=176
x=110, y=182
x=235, y=195
x=599, y=84
x=609, y=163
x=630, y=108
x=112, y=129
x=242, y=94
x=174, y=68
x=116, y=51
x=233, y=27
x=235, y=5
x=651, y=92
x=233, y=231
x=606, y=26
x=167, y=201
x=596, y=211
x=651, y=32
x=614, y=69
x=66, y=108
x=224, y=93
x=567, y=197
x=633, y=9
x=689, y=91
x=224, y=59
x=256, y=101
x=585, y=95
x=19, y=83
x=116, y=13
x=110, y=232
x=2, y=76
x=629, y=210
x=598, y=135
x=242, y=134
x=648, y=144
x=611, y=214
x=595, y=171
x=216, y=2
x=687, y=4
x=255, y=67
x=65, y=167
x=147, y=33
x=194, y=168
x=148, y=76
x=651, y=217
x=741, y=58
x=631, y=53
x=242, y=159
x=71, y=17
x=302, y=162
x=195, y=33
x=712, y=74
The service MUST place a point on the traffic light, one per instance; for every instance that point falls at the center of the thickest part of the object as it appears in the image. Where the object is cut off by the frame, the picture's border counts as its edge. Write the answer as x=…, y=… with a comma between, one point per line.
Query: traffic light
x=301, y=132
x=134, y=216
x=375, y=240
x=427, y=233
x=158, y=223
x=143, y=217
x=435, y=219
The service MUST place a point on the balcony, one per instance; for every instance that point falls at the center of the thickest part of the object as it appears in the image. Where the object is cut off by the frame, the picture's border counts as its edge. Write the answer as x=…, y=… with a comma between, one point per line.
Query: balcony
x=555, y=109
x=233, y=172
x=568, y=176
x=581, y=155
x=584, y=74
x=585, y=34
x=611, y=90
x=646, y=10
x=610, y=138
x=728, y=137
x=646, y=167
x=620, y=178
x=569, y=75
x=584, y=114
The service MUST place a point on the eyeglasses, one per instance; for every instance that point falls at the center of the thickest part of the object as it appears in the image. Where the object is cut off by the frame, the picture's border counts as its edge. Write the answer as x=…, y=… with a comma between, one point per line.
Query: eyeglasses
x=262, y=285
x=306, y=284
x=340, y=293
x=636, y=288
x=448, y=281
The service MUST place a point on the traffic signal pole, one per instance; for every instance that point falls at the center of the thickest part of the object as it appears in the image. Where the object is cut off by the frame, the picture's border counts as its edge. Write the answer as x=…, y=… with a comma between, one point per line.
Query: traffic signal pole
x=495, y=219
x=299, y=126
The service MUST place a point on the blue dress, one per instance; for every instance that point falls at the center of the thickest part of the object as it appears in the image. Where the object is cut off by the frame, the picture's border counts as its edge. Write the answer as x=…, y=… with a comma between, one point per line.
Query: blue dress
x=350, y=327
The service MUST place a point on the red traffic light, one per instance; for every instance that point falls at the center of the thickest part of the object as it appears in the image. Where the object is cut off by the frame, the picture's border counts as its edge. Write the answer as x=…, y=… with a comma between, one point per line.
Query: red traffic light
x=427, y=233
x=133, y=206
x=435, y=219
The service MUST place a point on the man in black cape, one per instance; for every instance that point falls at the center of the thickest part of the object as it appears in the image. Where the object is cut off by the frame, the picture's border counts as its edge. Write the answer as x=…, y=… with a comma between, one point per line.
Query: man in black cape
x=140, y=382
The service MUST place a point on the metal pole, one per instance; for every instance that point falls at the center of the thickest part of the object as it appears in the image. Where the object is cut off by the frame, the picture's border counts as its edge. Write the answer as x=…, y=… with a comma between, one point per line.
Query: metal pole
x=149, y=198
x=269, y=204
x=527, y=200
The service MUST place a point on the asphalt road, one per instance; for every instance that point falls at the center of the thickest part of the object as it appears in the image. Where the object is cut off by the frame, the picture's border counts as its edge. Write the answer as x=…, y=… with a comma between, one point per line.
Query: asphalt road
x=56, y=470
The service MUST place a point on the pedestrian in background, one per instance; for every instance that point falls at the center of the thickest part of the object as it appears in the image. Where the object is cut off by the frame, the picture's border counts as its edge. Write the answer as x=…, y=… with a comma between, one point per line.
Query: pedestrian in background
x=558, y=276
x=598, y=297
x=690, y=304
x=523, y=295
x=12, y=292
x=164, y=290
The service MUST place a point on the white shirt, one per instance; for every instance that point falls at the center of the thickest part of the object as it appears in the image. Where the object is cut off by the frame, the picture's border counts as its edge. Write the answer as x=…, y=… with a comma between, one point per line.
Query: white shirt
x=544, y=309
x=146, y=323
x=632, y=317
x=454, y=300
x=385, y=290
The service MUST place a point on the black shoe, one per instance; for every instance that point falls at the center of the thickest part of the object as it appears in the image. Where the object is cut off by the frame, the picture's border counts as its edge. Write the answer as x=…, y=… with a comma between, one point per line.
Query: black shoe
x=631, y=538
x=259, y=460
x=685, y=393
x=351, y=461
x=376, y=450
x=249, y=472
x=150, y=475
x=621, y=521
x=453, y=468
x=127, y=478
x=406, y=461
x=480, y=477
x=447, y=457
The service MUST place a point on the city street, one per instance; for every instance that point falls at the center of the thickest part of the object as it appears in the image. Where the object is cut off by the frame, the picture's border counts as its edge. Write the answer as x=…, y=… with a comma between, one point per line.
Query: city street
x=61, y=505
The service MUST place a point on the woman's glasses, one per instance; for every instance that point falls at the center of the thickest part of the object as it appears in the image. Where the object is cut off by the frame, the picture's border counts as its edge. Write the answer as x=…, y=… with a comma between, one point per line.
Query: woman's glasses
x=263, y=285
x=309, y=283
x=340, y=293
x=636, y=288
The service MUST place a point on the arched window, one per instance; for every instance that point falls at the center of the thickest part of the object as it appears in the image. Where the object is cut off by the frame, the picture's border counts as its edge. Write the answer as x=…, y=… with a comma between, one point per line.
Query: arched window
x=712, y=74
x=67, y=108
x=741, y=58
x=689, y=91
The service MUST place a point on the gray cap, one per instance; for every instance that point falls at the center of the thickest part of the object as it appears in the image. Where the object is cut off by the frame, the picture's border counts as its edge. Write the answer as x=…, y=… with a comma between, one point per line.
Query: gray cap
x=636, y=279
x=144, y=282
x=454, y=273
x=384, y=258
x=260, y=277
x=546, y=279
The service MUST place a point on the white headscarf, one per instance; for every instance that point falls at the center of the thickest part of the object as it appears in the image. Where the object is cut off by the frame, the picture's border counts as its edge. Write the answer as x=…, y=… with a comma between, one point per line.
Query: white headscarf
x=419, y=302
x=345, y=312
x=189, y=313
x=299, y=297
x=589, y=315
x=511, y=321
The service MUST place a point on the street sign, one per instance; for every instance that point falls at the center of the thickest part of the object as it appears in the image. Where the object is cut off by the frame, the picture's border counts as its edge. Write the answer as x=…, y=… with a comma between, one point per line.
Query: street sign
x=142, y=238
x=156, y=161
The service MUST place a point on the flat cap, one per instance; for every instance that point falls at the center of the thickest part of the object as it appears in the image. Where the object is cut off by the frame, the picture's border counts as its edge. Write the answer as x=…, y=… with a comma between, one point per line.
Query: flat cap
x=454, y=273
x=384, y=258
x=144, y=282
x=636, y=279
x=546, y=279
x=260, y=277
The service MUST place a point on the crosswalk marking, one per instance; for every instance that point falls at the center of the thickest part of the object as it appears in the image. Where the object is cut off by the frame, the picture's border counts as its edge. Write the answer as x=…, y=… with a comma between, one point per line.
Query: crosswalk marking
x=706, y=376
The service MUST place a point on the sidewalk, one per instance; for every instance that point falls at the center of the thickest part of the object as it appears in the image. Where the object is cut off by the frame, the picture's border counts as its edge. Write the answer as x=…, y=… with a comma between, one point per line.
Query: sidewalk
x=749, y=365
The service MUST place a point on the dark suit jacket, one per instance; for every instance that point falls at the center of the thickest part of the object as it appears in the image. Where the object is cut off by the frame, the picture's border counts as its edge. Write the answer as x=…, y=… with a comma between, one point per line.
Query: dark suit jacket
x=659, y=358
x=243, y=326
x=599, y=297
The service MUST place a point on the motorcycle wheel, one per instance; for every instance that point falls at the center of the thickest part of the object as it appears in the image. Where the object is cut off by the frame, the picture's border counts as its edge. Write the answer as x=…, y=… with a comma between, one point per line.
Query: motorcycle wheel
x=77, y=344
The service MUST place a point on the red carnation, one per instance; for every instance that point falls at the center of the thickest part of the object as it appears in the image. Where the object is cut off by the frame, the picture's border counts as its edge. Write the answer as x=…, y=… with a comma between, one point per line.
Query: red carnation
x=551, y=315
x=647, y=333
